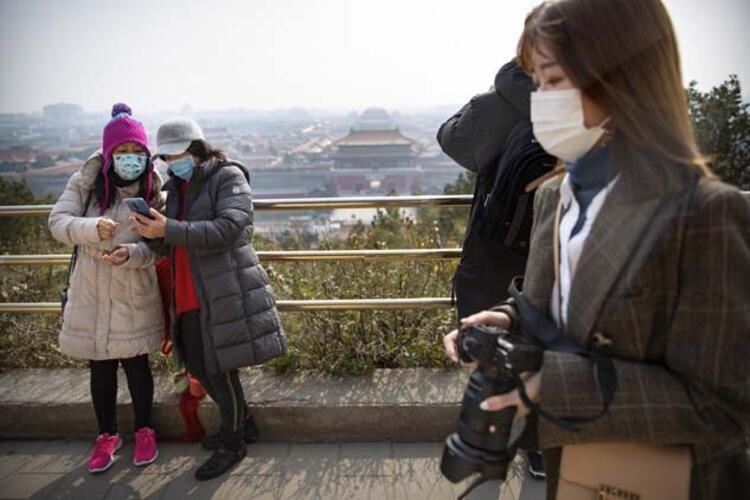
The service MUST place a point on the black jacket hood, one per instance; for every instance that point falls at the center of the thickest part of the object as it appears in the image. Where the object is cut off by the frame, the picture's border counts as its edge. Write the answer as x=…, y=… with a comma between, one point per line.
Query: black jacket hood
x=515, y=85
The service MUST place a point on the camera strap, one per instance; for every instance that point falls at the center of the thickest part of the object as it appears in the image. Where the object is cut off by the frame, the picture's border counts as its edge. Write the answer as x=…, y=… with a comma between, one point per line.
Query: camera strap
x=549, y=335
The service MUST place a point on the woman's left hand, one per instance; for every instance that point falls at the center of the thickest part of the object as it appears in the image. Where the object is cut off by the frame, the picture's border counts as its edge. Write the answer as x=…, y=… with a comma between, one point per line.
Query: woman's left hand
x=116, y=257
x=533, y=384
x=150, y=228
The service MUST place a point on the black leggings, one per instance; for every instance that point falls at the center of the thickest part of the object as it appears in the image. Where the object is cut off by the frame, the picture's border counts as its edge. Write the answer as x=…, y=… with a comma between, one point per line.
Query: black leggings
x=104, y=390
x=224, y=388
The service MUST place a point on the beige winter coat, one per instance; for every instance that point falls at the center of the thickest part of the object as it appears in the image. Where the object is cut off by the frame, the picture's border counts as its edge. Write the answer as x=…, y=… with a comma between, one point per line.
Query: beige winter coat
x=113, y=312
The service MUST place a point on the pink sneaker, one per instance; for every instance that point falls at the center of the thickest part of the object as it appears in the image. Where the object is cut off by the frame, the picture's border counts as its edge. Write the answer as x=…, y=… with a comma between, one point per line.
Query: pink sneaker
x=145, y=446
x=104, y=450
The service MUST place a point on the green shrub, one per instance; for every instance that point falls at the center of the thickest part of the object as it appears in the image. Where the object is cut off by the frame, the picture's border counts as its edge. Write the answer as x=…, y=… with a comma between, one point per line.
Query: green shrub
x=335, y=342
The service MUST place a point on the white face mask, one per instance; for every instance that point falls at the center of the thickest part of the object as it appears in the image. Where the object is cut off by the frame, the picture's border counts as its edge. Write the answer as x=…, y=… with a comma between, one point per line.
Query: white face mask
x=557, y=118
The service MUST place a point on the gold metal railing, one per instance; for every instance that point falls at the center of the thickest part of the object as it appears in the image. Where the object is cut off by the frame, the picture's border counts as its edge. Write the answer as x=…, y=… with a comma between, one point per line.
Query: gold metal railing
x=283, y=305
x=290, y=256
x=300, y=204
x=305, y=203
x=287, y=256
x=277, y=256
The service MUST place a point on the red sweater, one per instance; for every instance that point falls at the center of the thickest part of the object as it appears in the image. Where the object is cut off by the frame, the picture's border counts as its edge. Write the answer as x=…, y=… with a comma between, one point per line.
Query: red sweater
x=185, y=297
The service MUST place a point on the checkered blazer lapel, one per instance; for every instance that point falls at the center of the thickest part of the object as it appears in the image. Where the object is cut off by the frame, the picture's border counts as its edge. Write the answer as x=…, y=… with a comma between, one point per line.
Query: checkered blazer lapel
x=629, y=225
x=617, y=230
x=642, y=203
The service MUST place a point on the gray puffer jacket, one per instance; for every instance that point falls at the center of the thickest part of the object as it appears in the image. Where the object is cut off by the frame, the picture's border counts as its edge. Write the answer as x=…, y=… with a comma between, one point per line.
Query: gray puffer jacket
x=239, y=320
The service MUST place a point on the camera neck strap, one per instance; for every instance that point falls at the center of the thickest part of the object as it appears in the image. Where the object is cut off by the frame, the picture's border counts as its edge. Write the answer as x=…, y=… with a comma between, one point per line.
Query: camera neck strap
x=549, y=335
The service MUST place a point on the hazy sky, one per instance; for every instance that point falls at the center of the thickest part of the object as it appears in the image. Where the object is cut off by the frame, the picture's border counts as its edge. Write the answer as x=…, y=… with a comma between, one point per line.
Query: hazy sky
x=263, y=54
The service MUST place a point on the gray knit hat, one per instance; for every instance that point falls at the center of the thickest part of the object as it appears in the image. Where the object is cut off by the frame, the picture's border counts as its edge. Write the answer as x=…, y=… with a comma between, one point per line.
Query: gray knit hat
x=175, y=135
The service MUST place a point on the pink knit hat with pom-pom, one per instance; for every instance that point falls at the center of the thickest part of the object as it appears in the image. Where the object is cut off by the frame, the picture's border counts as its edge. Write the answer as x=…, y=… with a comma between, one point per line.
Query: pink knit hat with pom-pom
x=121, y=128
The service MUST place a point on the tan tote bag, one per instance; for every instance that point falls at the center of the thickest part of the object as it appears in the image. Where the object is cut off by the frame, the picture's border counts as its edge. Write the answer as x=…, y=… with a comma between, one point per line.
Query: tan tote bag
x=620, y=471
x=624, y=471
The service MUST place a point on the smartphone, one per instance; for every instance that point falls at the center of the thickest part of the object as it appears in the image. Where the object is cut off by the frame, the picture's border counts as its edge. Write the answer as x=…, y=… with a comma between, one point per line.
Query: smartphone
x=139, y=206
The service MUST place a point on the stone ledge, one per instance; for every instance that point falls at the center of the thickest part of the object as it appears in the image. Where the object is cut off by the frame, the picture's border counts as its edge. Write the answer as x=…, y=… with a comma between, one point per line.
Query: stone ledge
x=387, y=405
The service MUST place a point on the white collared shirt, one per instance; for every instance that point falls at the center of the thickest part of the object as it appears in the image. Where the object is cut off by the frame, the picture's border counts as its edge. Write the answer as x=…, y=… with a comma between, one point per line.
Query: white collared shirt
x=571, y=248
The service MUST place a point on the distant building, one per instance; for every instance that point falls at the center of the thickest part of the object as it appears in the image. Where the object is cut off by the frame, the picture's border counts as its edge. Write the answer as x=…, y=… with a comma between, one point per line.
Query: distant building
x=374, y=143
x=375, y=119
x=215, y=131
x=63, y=112
x=19, y=153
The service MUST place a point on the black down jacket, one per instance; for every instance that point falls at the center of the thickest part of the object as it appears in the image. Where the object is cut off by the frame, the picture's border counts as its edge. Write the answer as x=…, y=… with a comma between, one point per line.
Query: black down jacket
x=239, y=320
x=475, y=137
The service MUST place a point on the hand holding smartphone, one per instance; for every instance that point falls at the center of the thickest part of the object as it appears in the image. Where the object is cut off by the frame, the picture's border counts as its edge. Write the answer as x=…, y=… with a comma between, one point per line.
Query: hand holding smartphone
x=152, y=225
x=139, y=206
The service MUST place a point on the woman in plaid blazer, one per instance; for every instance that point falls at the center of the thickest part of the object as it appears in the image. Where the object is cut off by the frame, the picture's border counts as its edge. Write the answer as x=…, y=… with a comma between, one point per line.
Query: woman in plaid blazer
x=653, y=252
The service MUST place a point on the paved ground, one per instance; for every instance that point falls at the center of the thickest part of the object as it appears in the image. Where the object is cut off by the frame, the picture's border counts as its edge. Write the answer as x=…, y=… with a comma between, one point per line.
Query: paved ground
x=350, y=471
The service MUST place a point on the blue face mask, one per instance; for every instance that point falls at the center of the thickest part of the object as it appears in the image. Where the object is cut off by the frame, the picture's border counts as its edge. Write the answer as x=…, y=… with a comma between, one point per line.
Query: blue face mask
x=129, y=166
x=183, y=168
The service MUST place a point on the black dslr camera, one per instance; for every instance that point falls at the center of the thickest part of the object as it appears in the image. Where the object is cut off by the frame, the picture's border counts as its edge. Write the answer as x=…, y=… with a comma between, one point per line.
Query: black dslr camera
x=486, y=441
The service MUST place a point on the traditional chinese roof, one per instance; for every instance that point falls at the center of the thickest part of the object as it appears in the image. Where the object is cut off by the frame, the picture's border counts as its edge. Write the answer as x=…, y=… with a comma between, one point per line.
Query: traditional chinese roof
x=374, y=119
x=391, y=137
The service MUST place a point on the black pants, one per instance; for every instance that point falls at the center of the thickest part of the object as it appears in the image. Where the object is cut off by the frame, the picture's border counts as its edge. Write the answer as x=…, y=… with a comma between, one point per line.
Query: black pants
x=224, y=388
x=104, y=390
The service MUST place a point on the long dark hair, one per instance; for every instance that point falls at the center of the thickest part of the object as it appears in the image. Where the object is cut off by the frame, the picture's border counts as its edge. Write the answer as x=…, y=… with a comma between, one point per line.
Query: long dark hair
x=623, y=55
x=204, y=151
x=106, y=184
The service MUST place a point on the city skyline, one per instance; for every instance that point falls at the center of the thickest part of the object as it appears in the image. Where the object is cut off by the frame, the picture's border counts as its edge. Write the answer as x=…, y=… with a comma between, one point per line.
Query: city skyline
x=329, y=55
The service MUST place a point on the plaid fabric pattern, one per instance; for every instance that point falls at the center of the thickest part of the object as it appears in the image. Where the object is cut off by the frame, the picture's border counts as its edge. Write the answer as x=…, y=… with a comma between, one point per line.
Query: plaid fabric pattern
x=663, y=287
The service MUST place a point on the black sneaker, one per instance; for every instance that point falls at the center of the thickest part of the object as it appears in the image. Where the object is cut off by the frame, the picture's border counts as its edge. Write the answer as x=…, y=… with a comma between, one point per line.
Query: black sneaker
x=220, y=462
x=249, y=435
x=536, y=465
